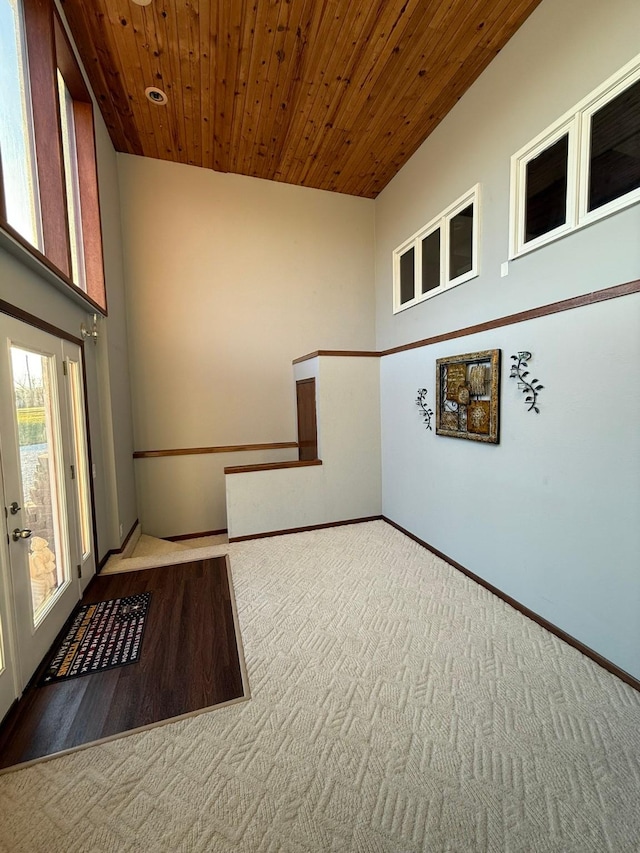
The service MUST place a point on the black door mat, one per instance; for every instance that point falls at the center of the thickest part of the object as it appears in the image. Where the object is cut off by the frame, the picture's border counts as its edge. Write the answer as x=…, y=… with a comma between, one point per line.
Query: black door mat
x=102, y=636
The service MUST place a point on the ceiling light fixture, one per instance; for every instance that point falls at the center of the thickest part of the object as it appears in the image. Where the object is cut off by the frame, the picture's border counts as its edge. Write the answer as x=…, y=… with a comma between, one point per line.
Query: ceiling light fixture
x=156, y=96
x=142, y=2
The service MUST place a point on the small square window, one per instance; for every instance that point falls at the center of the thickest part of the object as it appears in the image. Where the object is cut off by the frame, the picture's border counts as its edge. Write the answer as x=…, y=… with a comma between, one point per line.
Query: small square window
x=461, y=243
x=614, y=157
x=546, y=190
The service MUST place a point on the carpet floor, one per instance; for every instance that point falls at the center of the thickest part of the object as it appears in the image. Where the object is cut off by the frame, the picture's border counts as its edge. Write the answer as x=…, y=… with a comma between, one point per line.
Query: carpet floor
x=396, y=706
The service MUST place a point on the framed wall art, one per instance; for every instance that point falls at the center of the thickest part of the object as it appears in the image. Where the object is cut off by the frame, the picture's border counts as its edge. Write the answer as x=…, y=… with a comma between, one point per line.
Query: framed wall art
x=467, y=392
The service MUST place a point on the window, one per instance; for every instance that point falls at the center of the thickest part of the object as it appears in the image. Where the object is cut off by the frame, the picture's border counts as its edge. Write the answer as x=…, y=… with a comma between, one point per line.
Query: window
x=441, y=255
x=613, y=147
x=48, y=177
x=21, y=203
x=586, y=166
x=546, y=190
x=74, y=210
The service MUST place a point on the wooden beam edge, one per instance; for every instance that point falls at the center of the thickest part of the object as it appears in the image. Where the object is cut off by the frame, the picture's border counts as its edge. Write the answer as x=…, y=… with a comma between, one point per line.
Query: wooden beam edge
x=229, y=448
x=574, y=302
x=272, y=466
x=306, y=529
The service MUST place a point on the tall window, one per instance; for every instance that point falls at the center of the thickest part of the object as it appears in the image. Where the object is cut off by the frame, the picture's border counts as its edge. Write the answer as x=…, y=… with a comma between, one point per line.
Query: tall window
x=48, y=179
x=584, y=167
x=74, y=210
x=441, y=255
x=20, y=181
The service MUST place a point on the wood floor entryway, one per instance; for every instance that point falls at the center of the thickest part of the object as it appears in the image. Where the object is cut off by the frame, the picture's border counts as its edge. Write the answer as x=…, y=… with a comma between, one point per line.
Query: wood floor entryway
x=190, y=660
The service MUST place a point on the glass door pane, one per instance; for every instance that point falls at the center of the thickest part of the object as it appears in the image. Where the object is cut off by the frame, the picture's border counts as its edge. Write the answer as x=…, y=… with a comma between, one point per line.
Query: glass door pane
x=41, y=476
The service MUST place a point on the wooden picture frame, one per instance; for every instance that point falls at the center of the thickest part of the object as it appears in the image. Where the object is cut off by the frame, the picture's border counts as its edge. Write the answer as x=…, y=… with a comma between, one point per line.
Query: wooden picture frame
x=467, y=396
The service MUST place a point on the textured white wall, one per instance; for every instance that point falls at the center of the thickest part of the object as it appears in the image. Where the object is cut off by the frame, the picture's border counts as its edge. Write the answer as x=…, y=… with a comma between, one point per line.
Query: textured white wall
x=348, y=483
x=229, y=279
x=550, y=515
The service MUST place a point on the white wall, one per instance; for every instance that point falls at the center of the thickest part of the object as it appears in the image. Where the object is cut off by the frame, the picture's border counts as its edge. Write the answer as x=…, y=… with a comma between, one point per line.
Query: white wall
x=229, y=279
x=550, y=515
x=185, y=494
x=112, y=358
x=348, y=483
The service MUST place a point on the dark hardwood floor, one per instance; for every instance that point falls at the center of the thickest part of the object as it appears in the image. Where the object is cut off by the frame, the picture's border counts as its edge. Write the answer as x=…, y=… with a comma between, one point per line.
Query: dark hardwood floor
x=189, y=661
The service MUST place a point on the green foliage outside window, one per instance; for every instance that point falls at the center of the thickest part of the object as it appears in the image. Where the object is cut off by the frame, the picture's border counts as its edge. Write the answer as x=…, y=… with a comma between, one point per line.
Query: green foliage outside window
x=32, y=426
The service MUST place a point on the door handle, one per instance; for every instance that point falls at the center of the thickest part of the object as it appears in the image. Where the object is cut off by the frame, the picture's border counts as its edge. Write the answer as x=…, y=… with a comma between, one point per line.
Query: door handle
x=17, y=534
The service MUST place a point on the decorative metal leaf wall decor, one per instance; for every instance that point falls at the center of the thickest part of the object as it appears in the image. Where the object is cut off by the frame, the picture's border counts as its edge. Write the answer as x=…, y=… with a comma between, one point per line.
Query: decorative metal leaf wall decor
x=529, y=387
x=421, y=402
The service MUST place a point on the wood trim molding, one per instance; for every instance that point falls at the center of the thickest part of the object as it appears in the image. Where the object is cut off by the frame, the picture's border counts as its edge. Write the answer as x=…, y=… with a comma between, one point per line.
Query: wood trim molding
x=32, y=320
x=229, y=448
x=338, y=352
x=592, y=298
x=112, y=551
x=533, y=314
x=572, y=641
x=183, y=536
x=41, y=52
x=272, y=466
x=306, y=529
x=86, y=156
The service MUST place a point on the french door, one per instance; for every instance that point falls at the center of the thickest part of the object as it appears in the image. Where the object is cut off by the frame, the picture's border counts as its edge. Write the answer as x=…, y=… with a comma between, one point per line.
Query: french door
x=47, y=551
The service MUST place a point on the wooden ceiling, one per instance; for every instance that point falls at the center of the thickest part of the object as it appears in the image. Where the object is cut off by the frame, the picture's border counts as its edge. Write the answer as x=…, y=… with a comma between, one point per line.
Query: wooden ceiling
x=333, y=94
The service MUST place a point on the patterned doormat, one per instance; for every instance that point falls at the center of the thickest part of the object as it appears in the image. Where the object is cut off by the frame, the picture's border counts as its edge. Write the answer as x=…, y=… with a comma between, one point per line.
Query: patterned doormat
x=102, y=636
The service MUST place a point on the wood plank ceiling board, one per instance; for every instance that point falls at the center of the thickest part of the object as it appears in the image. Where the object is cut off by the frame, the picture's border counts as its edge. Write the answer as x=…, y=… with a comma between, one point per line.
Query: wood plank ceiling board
x=329, y=94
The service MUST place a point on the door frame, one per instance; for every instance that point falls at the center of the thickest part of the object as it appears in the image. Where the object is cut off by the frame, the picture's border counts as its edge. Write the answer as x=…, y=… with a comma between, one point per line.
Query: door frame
x=8, y=614
x=31, y=320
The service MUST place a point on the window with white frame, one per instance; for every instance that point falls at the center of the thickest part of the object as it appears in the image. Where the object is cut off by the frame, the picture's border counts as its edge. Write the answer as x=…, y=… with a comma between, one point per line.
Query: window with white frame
x=584, y=167
x=442, y=254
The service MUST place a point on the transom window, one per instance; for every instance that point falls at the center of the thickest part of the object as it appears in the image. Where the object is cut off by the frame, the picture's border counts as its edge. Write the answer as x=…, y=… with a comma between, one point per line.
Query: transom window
x=584, y=167
x=443, y=254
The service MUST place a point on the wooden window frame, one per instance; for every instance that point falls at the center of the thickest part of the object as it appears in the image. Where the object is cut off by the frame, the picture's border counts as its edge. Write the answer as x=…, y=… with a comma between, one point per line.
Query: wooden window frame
x=443, y=222
x=49, y=49
x=576, y=122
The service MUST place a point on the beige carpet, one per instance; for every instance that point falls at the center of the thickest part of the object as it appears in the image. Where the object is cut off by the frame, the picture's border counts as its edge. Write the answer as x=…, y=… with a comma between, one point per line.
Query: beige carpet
x=396, y=706
x=149, y=551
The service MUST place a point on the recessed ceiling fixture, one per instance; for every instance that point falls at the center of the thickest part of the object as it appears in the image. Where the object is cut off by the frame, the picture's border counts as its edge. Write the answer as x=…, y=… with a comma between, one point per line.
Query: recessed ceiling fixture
x=156, y=96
